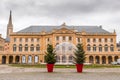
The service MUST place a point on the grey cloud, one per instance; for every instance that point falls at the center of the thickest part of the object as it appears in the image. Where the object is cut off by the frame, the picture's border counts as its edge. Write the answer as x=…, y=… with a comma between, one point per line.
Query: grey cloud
x=60, y=8
x=101, y=11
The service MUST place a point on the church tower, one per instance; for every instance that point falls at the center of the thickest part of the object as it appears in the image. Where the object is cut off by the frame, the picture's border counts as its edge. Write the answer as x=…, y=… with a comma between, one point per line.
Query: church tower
x=9, y=25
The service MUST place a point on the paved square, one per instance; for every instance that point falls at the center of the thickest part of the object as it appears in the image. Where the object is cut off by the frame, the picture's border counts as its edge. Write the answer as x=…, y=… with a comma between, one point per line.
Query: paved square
x=13, y=73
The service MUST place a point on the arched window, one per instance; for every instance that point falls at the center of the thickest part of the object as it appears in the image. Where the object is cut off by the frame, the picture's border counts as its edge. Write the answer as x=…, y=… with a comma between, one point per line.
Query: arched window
x=37, y=47
x=88, y=47
x=94, y=47
x=36, y=59
x=20, y=47
x=29, y=59
x=111, y=47
x=23, y=59
x=106, y=48
x=32, y=47
x=100, y=48
x=26, y=47
x=14, y=48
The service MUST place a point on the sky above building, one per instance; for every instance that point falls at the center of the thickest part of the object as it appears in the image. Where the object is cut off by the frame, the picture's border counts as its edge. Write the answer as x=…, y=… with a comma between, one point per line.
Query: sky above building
x=54, y=12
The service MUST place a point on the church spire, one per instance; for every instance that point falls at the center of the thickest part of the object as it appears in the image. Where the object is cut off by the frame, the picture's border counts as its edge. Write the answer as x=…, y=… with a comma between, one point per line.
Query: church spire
x=10, y=19
x=10, y=25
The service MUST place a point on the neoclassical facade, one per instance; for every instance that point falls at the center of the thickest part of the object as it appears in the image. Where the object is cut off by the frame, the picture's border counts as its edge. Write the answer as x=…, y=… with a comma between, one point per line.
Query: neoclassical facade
x=29, y=45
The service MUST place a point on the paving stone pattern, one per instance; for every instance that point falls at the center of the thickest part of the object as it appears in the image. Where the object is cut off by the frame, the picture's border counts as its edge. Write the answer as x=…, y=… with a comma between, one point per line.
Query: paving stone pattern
x=14, y=73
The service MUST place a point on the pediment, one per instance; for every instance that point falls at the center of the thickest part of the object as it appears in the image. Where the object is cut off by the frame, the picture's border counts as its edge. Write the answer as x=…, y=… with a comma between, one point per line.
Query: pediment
x=63, y=31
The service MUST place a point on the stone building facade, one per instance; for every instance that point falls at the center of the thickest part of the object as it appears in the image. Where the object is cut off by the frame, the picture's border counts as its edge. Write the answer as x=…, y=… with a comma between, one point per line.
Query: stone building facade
x=29, y=45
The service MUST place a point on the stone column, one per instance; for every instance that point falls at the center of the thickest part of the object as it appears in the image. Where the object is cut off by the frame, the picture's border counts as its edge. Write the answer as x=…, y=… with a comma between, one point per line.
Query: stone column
x=106, y=59
x=87, y=59
x=26, y=61
x=20, y=60
x=43, y=58
x=94, y=60
x=33, y=59
x=39, y=59
x=13, y=58
x=113, y=59
x=100, y=59
x=7, y=59
x=0, y=59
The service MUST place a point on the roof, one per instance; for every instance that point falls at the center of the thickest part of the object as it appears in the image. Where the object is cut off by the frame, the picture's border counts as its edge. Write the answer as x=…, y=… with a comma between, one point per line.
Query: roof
x=88, y=29
x=7, y=39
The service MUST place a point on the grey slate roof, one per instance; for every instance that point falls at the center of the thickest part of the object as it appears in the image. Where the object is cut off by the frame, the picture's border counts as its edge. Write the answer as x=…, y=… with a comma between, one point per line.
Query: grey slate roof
x=7, y=39
x=88, y=29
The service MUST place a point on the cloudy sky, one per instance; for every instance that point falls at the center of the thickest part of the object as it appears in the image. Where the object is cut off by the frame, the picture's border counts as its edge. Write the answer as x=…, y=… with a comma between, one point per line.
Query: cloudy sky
x=55, y=12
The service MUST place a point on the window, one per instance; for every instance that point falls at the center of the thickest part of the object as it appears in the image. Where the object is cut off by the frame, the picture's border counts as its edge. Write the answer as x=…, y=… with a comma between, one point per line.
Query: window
x=78, y=39
x=106, y=48
x=88, y=47
x=26, y=40
x=111, y=47
x=100, y=48
x=99, y=40
x=32, y=40
x=57, y=38
x=63, y=37
x=38, y=39
x=48, y=39
x=20, y=39
x=94, y=48
x=37, y=47
x=20, y=47
x=94, y=40
x=26, y=47
x=32, y=47
x=111, y=40
x=105, y=39
x=14, y=39
x=88, y=40
x=70, y=38
x=14, y=48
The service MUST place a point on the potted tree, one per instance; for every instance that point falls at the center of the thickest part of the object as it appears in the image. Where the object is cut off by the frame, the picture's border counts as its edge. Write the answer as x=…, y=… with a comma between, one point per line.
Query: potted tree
x=79, y=57
x=50, y=58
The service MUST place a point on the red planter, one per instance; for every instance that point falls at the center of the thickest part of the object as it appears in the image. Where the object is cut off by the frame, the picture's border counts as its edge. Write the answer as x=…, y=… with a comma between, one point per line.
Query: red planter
x=50, y=67
x=79, y=67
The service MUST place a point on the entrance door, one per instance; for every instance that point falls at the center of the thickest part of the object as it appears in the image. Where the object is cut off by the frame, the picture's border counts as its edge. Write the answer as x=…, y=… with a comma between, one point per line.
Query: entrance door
x=3, y=59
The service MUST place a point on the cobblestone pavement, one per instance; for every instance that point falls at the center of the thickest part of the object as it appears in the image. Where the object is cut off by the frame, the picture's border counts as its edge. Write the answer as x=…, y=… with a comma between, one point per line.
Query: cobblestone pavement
x=14, y=73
